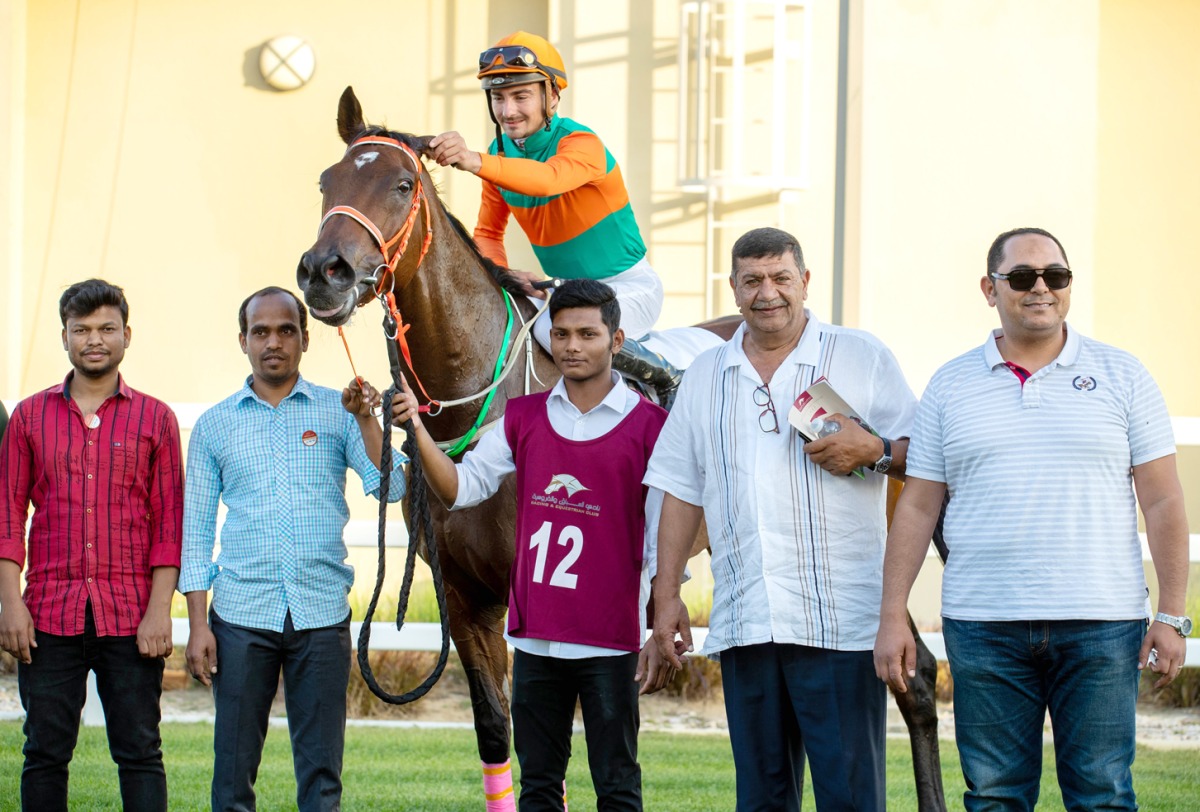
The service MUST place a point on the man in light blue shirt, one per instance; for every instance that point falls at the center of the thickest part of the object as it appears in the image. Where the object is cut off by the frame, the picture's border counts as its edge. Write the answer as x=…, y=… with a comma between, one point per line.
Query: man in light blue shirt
x=276, y=454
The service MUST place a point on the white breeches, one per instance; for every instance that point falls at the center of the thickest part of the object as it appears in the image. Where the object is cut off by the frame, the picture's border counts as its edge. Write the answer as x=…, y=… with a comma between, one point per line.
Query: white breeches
x=640, y=292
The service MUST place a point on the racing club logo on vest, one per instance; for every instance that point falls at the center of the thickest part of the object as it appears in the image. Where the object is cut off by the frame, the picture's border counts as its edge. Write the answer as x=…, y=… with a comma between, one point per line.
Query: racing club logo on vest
x=1084, y=383
x=566, y=486
x=565, y=482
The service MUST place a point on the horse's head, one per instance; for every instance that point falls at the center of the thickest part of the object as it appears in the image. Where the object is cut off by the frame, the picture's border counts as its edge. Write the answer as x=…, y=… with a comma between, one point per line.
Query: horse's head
x=375, y=186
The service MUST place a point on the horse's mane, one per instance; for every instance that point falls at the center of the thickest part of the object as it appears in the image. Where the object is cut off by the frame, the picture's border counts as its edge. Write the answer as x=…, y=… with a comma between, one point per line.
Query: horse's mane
x=501, y=274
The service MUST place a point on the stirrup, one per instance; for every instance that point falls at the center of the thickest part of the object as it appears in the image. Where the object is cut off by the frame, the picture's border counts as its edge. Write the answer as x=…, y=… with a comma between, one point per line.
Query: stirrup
x=649, y=369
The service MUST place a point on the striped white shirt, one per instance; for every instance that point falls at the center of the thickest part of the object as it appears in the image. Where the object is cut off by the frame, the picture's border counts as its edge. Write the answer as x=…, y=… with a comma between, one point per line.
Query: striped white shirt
x=797, y=553
x=1042, y=521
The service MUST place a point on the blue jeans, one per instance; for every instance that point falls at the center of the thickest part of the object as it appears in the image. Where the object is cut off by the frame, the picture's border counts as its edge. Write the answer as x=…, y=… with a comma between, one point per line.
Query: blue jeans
x=53, y=687
x=785, y=701
x=316, y=669
x=1007, y=674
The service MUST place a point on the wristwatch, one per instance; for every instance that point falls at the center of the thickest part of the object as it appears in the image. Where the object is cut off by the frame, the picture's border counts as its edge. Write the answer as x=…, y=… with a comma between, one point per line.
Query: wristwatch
x=1183, y=625
x=885, y=462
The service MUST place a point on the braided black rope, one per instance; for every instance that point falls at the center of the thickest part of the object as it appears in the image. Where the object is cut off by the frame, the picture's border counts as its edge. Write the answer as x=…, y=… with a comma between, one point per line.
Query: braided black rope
x=420, y=526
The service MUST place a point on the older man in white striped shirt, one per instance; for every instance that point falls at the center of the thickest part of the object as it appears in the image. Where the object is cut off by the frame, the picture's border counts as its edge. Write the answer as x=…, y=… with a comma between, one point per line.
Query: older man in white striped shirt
x=797, y=543
x=1040, y=438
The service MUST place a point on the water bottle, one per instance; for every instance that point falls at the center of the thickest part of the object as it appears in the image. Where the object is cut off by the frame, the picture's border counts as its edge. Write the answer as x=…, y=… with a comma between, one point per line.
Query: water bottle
x=824, y=427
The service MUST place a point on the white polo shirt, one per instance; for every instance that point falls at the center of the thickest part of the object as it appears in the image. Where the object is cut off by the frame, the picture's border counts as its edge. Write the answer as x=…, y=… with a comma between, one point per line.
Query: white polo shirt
x=1042, y=520
x=797, y=553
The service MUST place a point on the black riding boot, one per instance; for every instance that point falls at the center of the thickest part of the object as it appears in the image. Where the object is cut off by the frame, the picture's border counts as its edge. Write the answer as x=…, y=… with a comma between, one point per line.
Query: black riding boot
x=649, y=368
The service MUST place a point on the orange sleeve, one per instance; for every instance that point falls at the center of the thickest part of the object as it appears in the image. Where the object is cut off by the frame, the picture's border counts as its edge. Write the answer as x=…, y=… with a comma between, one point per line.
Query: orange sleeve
x=491, y=225
x=580, y=160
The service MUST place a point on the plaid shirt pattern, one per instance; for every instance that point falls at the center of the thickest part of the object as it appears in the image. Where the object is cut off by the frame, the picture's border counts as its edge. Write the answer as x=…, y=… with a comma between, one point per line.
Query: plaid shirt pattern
x=281, y=473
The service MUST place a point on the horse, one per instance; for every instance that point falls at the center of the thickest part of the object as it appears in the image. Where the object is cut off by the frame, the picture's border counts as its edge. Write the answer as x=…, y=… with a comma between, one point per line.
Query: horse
x=455, y=302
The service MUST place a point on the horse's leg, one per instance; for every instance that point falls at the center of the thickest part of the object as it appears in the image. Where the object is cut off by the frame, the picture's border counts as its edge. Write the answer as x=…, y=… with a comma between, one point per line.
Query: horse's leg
x=479, y=639
x=919, y=708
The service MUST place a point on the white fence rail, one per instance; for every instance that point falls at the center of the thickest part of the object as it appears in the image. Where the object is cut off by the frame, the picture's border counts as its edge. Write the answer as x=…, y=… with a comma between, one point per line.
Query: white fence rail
x=428, y=637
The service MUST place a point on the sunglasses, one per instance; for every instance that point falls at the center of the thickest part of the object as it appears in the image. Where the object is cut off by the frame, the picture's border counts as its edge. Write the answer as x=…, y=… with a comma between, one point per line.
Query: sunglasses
x=1024, y=279
x=515, y=56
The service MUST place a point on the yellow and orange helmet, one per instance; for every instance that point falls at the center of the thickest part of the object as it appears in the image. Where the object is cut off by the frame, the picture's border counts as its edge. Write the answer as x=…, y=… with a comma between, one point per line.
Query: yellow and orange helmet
x=521, y=58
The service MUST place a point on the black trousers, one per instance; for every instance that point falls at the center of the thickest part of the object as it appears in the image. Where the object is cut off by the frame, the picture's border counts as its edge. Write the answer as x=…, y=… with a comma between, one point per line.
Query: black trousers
x=544, y=693
x=53, y=688
x=316, y=668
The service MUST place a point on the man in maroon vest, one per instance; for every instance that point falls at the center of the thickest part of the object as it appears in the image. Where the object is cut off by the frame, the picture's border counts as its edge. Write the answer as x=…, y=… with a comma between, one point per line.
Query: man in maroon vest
x=580, y=578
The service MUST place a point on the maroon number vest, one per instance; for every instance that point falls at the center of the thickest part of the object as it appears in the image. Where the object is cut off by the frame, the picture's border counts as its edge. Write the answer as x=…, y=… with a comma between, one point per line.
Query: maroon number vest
x=581, y=518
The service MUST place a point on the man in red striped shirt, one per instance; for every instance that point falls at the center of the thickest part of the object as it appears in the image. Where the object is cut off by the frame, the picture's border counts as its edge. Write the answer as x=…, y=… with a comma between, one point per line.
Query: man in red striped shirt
x=100, y=462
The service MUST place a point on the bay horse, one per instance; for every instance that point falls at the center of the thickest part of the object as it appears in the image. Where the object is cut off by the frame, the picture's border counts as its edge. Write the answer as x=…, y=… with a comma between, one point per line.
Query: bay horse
x=454, y=302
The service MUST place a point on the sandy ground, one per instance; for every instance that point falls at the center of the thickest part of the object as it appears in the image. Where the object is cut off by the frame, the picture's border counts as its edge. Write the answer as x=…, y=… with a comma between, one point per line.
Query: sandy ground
x=448, y=704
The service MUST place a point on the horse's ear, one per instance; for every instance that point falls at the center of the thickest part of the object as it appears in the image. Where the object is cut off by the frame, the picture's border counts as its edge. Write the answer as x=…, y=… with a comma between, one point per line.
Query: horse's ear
x=350, y=117
x=422, y=145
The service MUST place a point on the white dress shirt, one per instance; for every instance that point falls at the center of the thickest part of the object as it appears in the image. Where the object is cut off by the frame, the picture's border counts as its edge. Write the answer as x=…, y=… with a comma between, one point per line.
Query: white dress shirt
x=797, y=553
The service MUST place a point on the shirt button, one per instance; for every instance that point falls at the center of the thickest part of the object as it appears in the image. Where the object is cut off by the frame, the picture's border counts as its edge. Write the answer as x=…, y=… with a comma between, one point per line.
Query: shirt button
x=89, y=476
x=89, y=580
x=90, y=442
x=89, y=510
x=89, y=545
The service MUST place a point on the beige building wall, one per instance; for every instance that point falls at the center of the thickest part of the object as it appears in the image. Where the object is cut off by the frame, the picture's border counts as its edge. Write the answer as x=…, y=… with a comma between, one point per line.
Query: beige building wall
x=1148, y=202
x=977, y=118
x=154, y=156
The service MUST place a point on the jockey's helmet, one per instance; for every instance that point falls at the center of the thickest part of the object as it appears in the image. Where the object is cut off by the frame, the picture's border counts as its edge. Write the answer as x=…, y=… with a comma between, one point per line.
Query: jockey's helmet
x=521, y=58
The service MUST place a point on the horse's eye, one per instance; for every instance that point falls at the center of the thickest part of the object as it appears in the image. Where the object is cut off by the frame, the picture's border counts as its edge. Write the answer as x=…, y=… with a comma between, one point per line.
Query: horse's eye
x=405, y=186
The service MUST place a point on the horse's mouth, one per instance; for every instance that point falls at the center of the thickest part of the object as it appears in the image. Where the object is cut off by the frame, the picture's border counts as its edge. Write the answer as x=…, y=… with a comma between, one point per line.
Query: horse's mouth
x=337, y=315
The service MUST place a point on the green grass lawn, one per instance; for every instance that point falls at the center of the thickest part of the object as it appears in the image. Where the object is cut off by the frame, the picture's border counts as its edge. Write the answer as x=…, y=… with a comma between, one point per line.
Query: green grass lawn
x=398, y=769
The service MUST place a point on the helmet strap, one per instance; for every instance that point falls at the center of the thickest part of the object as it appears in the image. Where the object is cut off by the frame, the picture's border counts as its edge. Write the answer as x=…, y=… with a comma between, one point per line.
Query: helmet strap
x=492, y=116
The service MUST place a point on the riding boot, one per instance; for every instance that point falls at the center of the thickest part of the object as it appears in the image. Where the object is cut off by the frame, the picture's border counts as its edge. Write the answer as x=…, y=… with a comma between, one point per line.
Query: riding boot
x=649, y=368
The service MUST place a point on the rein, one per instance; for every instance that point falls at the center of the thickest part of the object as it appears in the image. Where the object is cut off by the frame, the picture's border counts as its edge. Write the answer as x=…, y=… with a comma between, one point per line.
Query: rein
x=420, y=528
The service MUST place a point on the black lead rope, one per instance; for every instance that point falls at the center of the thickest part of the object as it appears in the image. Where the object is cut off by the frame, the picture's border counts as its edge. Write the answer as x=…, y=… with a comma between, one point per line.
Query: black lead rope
x=420, y=527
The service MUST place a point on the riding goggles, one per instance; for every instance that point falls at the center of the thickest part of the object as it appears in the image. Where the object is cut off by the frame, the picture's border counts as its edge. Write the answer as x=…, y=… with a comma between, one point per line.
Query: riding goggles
x=1024, y=279
x=514, y=56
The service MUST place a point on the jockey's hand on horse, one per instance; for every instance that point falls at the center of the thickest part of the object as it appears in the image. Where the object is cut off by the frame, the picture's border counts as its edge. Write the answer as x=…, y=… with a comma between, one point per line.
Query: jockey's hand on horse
x=450, y=149
x=847, y=450
x=360, y=399
x=527, y=278
x=653, y=672
x=405, y=406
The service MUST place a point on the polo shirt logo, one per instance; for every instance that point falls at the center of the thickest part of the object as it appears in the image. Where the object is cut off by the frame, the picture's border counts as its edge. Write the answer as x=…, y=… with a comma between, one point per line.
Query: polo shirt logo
x=1084, y=383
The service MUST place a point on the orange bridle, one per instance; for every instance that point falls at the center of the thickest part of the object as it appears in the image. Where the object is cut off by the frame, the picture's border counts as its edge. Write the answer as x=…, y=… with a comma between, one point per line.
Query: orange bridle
x=386, y=282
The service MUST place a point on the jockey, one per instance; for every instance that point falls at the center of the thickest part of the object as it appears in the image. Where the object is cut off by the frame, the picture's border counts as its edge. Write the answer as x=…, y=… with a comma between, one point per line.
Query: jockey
x=566, y=191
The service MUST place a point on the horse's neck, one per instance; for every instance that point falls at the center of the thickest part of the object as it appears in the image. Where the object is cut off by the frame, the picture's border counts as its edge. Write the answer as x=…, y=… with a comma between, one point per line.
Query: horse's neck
x=457, y=313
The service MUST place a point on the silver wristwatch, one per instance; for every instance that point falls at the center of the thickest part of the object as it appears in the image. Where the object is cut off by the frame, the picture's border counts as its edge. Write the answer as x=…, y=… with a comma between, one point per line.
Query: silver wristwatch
x=1183, y=625
x=885, y=462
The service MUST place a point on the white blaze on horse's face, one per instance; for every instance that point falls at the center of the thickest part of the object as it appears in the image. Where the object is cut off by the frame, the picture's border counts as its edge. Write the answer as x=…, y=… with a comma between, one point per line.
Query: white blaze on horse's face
x=365, y=158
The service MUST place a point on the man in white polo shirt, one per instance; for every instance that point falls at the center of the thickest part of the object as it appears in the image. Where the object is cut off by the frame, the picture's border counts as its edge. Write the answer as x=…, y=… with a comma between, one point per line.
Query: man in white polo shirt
x=1040, y=437
x=797, y=542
